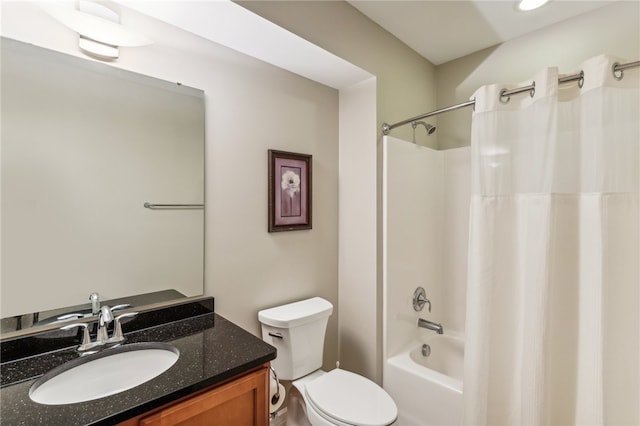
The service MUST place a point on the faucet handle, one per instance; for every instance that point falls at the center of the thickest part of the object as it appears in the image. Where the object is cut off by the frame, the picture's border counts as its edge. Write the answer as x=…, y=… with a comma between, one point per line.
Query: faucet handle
x=121, y=307
x=86, y=338
x=420, y=299
x=117, y=327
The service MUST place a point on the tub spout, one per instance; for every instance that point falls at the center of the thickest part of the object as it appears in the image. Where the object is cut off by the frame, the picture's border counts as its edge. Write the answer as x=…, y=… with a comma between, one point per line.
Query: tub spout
x=430, y=325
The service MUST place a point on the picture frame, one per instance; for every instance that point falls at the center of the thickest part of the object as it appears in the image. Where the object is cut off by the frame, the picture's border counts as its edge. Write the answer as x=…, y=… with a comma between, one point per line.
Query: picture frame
x=289, y=191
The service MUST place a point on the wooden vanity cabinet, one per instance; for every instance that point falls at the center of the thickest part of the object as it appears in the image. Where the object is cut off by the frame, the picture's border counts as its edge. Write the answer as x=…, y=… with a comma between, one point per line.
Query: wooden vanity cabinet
x=240, y=401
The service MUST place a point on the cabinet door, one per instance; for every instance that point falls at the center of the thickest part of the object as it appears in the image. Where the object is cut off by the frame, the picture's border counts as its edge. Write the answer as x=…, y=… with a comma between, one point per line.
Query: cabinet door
x=237, y=403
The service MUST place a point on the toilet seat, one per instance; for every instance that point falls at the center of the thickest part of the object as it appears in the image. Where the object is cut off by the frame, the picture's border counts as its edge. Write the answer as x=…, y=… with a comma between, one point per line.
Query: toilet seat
x=351, y=399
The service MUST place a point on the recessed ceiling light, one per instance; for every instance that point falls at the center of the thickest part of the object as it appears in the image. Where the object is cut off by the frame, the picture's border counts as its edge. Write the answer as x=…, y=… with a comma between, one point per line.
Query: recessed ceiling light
x=526, y=5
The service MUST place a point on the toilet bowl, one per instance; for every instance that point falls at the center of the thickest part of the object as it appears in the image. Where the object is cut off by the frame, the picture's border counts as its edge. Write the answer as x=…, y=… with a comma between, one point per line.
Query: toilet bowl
x=342, y=398
x=337, y=397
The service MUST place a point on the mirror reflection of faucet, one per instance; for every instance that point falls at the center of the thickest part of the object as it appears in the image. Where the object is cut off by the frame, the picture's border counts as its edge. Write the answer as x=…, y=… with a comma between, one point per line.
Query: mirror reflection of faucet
x=94, y=298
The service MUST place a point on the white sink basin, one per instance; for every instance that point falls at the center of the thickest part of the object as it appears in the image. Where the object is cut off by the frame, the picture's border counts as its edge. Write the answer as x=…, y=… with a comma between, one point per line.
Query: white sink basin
x=106, y=373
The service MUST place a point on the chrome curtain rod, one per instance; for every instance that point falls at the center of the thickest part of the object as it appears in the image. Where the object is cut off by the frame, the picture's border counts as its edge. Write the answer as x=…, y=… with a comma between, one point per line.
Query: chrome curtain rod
x=617, y=70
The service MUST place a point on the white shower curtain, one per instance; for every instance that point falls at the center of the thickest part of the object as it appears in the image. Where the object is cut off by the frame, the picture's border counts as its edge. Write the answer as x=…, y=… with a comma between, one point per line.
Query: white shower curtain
x=553, y=299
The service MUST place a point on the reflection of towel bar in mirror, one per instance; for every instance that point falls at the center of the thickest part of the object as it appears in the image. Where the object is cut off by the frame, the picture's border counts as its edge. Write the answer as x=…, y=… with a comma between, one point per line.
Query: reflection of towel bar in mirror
x=173, y=206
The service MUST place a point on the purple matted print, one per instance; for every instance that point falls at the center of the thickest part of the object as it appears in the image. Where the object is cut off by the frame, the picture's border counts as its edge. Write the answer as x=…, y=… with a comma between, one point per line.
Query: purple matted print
x=289, y=191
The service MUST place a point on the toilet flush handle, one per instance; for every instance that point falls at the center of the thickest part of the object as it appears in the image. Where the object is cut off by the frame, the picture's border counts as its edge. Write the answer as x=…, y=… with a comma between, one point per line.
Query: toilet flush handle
x=276, y=335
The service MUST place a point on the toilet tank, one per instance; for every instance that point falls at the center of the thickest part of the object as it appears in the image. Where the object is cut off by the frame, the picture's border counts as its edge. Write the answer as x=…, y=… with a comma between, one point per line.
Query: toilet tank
x=297, y=331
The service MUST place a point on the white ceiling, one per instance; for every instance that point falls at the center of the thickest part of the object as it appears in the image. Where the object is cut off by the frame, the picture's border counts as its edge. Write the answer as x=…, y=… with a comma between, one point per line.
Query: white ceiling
x=438, y=30
x=231, y=25
x=445, y=30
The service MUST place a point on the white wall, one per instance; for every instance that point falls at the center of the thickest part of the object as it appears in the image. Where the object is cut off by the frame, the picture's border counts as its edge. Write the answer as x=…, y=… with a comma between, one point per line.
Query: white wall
x=413, y=191
x=613, y=29
x=426, y=205
x=456, y=192
x=250, y=107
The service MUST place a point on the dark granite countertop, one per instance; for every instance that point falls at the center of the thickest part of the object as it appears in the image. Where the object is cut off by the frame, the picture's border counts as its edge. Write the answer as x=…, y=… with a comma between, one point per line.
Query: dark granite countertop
x=212, y=349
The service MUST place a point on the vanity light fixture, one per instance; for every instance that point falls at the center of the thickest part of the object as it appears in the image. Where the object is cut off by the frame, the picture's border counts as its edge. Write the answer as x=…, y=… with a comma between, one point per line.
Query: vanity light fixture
x=99, y=29
x=527, y=5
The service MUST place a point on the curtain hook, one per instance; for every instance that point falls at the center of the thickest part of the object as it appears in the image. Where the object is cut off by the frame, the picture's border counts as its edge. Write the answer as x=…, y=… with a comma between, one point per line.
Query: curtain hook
x=504, y=98
x=414, y=124
x=581, y=79
x=532, y=92
x=614, y=71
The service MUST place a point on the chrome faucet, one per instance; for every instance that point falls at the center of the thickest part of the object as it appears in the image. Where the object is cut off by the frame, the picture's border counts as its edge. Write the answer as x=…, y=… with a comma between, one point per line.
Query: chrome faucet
x=105, y=317
x=423, y=323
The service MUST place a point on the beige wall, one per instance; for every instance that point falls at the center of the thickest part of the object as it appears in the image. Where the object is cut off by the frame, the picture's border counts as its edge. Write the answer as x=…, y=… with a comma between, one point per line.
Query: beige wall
x=613, y=29
x=404, y=87
x=250, y=107
x=405, y=80
x=359, y=344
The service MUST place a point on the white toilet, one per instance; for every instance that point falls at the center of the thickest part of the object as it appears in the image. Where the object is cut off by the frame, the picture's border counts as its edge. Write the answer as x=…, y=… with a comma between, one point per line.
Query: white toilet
x=335, y=398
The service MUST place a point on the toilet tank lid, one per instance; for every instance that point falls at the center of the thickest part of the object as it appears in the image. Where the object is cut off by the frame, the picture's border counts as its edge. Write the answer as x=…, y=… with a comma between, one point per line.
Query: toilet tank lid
x=296, y=313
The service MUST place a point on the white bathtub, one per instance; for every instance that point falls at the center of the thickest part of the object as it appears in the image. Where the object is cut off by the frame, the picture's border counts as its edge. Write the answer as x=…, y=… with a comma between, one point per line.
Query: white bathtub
x=427, y=390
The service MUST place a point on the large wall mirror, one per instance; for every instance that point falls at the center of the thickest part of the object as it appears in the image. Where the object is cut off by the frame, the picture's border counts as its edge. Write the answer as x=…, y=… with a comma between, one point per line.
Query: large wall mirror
x=84, y=146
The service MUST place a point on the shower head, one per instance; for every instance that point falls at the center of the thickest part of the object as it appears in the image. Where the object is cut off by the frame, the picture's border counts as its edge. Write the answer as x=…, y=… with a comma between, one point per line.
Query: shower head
x=430, y=129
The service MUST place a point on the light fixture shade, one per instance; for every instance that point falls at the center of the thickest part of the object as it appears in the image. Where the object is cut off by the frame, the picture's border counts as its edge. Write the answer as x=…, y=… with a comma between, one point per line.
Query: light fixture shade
x=97, y=28
x=526, y=5
x=102, y=50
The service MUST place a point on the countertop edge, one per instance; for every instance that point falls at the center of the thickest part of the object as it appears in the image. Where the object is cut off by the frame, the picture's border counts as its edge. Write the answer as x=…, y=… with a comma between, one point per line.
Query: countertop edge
x=221, y=350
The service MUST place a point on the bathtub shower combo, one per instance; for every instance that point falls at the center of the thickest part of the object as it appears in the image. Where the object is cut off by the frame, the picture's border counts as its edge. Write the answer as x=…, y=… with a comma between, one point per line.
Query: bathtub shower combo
x=433, y=363
x=425, y=193
x=542, y=218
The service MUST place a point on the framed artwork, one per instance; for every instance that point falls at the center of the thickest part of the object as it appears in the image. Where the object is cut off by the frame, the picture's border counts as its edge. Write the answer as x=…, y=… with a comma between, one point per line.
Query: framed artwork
x=289, y=191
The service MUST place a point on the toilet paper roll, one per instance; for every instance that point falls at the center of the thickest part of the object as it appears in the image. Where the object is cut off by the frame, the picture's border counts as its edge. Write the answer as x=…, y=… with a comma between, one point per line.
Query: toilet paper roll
x=275, y=407
x=273, y=388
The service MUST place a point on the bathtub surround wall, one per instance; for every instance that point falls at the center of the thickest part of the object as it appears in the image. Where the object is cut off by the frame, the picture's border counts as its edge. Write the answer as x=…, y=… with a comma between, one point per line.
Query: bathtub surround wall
x=426, y=205
x=413, y=181
x=426, y=211
x=456, y=190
